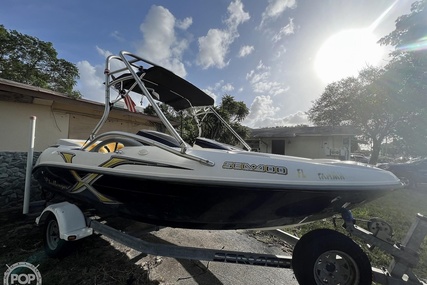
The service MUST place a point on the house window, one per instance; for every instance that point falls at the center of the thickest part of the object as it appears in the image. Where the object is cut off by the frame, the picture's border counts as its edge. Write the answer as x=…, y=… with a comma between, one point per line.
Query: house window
x=278, y=146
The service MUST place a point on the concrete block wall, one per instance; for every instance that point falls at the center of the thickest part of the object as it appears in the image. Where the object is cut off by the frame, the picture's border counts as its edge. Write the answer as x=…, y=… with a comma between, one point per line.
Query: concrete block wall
x=13, y=166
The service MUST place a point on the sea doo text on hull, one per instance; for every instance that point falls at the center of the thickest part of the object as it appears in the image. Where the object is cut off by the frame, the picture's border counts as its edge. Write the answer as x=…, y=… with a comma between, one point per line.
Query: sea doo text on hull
x=159, y=179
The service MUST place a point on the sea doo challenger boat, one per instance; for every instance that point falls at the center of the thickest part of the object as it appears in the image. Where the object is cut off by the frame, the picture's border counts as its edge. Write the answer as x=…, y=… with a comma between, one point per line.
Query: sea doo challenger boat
x=158, y=178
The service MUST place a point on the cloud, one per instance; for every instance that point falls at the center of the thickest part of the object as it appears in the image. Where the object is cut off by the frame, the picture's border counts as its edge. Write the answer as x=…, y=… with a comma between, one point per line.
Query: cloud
x=114, y=64
x=263, y=113
x=281, y=49
x=287, y=30
x=245, y=50
x=117, y=36
x=214, y=47
x=262, y=107
x=275, y=8
x=299, y=118
x=211, y=93
x=184, y=24
x=236, y=15
x=91, y=81
x=160, y=43
x=227, y=88
x=103, y=52
x=220, y=87
x=260, y=81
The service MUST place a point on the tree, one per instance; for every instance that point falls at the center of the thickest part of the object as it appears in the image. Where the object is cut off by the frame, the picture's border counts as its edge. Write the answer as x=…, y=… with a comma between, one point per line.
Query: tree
x=410, y=30
x=363, y=102
x=407, y=72
x=28, y=60
x=233, y=112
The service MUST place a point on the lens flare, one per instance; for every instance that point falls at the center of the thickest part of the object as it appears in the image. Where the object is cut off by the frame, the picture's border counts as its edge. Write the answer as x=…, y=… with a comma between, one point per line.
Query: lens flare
x=420, y=44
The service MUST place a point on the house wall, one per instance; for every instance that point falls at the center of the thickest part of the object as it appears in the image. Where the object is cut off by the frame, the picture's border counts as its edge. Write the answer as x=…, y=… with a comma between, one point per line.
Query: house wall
x=308, y=146
x=52, y=125
x=316, y=147
x=81, y=126
x=15, y=126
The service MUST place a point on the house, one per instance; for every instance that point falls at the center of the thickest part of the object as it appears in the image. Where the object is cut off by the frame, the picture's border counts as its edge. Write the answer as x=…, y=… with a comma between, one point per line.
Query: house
x=57, y=116
x=304, y=141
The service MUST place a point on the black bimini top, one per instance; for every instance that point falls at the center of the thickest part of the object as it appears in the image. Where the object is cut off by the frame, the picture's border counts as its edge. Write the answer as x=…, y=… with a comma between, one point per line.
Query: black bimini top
x=172, y=89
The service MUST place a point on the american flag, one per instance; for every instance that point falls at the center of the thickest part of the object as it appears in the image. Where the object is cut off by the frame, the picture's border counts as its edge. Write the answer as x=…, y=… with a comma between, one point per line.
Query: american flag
x=129, y=103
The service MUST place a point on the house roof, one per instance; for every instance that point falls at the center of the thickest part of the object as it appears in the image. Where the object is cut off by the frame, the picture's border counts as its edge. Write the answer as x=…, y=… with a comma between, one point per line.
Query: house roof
x=23, y=93
x=290, y=132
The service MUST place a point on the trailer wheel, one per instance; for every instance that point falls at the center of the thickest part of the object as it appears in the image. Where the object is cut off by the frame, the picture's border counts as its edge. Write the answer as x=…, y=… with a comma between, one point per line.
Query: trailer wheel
x=54, y=246
x=325, y=256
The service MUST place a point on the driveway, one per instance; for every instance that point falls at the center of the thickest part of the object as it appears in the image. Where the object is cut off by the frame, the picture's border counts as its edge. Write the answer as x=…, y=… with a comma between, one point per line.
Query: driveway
x=167, y=270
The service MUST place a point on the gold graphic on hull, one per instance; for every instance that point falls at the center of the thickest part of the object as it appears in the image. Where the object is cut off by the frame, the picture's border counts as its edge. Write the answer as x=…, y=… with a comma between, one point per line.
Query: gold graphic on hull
x=87, y=180
x=68, y=157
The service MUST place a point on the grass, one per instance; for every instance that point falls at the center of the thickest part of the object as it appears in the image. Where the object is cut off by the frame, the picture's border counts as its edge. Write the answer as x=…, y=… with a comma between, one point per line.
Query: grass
x=96, y=262
x=93, y=261
x=399, y=209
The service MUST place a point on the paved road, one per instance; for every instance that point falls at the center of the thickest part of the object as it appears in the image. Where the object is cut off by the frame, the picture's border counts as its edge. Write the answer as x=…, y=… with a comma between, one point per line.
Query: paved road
x=191, y=272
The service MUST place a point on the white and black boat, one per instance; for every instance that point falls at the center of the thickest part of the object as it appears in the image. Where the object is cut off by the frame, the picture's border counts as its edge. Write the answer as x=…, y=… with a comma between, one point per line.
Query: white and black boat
x=158, y=178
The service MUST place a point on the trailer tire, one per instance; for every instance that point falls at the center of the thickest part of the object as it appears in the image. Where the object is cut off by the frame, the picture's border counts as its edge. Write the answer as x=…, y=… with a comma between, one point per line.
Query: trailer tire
x=325, y=256
x=54, y=246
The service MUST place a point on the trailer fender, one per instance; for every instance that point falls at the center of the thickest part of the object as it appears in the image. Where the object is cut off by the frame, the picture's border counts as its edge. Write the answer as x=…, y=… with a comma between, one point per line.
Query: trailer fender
x=71, y=221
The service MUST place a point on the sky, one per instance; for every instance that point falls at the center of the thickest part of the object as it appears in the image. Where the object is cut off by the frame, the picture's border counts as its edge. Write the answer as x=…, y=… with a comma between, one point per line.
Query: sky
x=276, y=56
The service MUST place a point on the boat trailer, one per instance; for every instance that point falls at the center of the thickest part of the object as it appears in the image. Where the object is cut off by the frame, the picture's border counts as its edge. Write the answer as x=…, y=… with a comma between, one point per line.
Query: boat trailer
x=321, y=254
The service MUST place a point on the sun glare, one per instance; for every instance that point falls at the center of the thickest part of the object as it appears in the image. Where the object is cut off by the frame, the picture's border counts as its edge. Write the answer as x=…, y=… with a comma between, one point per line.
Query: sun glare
x=346, y=53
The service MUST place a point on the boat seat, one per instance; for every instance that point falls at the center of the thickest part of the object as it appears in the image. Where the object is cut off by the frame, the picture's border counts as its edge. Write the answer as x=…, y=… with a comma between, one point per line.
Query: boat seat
x=114, y=144
x=159, y=137
x=208, y=143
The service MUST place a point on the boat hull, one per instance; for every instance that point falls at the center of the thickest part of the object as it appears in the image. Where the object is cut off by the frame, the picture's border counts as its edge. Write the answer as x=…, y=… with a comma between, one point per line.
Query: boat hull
x=202, y=205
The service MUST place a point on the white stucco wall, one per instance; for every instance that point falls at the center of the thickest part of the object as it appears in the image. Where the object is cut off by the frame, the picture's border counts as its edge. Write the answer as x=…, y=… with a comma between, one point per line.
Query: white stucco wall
x=15, y=126
x=306, y=146
x=82, y=126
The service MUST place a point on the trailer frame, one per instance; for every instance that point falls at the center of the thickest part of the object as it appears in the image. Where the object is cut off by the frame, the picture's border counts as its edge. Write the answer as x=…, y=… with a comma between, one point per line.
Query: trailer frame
x=73, y=225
